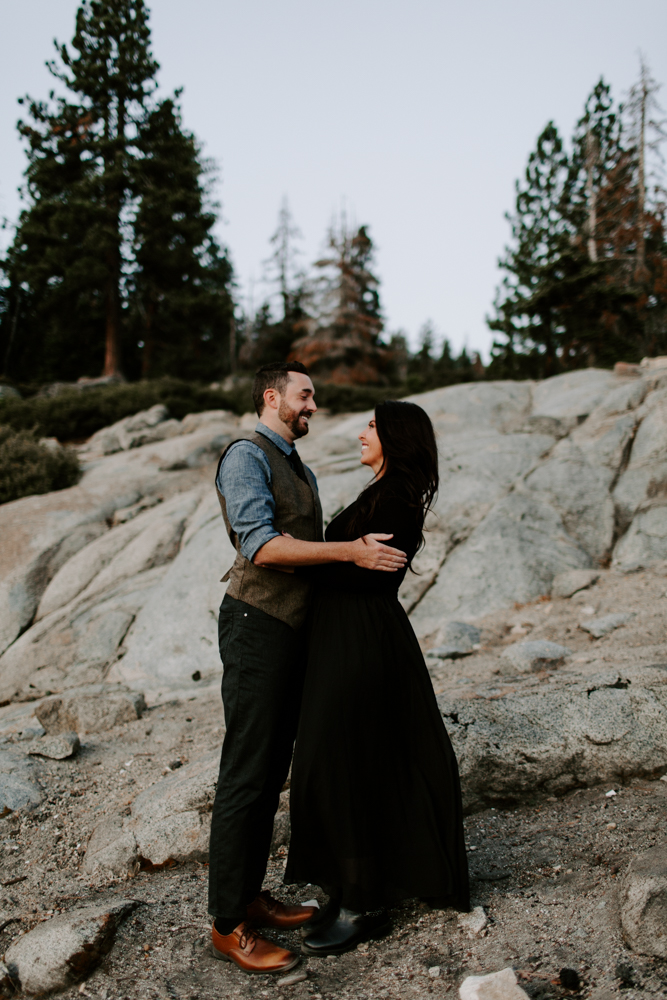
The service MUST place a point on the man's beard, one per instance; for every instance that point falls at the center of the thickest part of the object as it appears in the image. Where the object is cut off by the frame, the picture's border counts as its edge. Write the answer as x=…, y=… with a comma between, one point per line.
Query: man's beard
x=292, y=417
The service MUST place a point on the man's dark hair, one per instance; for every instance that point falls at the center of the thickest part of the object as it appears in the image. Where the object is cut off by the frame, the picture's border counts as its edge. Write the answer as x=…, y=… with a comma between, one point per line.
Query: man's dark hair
x=273, y=376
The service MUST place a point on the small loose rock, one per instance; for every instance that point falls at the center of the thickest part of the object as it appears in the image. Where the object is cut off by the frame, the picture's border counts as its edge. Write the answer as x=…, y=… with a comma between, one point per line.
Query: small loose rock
x=607, y=623
x=473, y=923
x=56, y=747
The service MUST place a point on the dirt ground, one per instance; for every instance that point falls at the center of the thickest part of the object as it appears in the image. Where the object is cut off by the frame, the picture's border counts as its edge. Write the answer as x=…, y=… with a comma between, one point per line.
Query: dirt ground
x=546, y=873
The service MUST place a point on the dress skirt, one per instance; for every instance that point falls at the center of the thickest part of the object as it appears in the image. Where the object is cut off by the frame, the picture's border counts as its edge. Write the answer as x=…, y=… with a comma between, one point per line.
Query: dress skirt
x=375, y=796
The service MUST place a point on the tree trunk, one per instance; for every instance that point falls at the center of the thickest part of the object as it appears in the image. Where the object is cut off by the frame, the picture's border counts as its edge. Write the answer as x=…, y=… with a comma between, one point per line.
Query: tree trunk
x=591, y=157
x=232, y=345
x=641, y=175
x=112, y=332
x=149, y=342
x=115, y=190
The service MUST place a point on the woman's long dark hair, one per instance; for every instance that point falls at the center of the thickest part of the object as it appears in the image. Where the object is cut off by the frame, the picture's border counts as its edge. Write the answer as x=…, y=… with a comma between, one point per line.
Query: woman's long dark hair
x=410, y=466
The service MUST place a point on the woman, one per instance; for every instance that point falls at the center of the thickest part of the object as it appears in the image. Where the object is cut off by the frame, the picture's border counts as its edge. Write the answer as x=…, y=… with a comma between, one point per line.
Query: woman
x=375, y=796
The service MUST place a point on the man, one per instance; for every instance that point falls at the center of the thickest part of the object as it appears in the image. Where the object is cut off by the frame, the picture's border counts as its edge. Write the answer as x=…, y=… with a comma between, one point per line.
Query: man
x=273, y=517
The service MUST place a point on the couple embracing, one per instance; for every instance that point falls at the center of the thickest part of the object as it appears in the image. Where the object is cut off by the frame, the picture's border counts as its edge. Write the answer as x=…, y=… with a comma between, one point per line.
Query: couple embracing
x=323, y=671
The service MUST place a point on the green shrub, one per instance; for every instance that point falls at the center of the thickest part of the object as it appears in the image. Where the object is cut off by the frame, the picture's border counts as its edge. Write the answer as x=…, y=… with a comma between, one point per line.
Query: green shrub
x=28, y=467
x=75, y=414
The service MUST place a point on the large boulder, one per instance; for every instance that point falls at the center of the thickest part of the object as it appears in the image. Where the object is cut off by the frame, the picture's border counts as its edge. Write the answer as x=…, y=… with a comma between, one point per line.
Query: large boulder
x=170, y=820
x=477, y=470
x=175, y=634
x=118, y=578
x=571, y=397
x=579, y=491
x=513, y=555
x=645, y=476
x=65, y=949
x=548, y=740
x=645, y=542
x=41, y=533
x=74, y=645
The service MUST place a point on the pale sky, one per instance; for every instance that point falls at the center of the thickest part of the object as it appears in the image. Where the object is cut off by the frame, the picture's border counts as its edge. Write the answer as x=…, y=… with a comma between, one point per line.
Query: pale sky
x=417, y=116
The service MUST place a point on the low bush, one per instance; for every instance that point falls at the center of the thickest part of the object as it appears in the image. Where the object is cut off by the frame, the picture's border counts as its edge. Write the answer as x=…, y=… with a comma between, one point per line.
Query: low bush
x=75, y=414
x=28, y=467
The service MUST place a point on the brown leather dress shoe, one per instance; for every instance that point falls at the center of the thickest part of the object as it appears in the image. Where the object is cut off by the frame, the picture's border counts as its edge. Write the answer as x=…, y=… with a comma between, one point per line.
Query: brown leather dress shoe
x=250, y=951
x=265, y=911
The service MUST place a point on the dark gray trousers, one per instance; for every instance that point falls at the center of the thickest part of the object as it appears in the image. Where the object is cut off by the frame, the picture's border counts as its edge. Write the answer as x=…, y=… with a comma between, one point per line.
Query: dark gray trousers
x=264, y=663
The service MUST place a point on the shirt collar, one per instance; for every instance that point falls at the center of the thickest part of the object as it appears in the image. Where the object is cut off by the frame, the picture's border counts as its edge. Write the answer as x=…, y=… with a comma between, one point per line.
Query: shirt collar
x=276, y=439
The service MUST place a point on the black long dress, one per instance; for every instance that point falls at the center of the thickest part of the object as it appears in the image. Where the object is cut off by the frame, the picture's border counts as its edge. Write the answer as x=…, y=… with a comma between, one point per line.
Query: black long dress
x=375, y=794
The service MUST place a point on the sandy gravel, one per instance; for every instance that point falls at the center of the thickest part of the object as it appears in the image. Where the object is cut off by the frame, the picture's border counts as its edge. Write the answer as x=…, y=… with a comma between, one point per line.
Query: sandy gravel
x=546, y=874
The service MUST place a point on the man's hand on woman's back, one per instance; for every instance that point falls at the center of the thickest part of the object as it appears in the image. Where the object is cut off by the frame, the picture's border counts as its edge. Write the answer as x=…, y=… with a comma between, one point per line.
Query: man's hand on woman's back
x=372, y=553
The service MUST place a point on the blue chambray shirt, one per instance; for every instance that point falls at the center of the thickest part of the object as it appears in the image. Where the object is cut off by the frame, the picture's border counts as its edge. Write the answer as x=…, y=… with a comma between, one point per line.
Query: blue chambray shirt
x=244, y=480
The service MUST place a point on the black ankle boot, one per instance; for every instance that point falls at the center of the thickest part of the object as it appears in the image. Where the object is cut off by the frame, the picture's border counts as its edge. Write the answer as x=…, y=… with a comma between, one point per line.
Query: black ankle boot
x=346, y=932
x=322, y=919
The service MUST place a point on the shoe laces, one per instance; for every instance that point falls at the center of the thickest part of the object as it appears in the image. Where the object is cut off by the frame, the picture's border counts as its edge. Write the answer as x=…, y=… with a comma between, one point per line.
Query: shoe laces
x=248, y=936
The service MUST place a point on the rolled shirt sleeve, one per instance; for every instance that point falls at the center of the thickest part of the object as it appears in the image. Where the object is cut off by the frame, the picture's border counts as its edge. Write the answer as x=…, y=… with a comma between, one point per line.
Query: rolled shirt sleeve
x=245, y=482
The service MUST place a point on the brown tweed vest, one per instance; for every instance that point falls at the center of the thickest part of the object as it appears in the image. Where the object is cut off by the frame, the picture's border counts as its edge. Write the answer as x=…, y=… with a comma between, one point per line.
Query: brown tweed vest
x=298, y=511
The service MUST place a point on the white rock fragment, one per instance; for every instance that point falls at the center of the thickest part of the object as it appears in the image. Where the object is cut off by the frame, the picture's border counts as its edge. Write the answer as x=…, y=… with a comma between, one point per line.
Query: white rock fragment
x=610, y=794
x=294, y=977
x=56, y=747
x=496, y=986
x=434, y=971
x=473, y=923
x=606, y=623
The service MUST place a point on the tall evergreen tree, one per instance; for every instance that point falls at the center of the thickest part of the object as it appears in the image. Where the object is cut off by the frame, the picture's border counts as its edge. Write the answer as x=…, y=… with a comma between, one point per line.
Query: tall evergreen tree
x=70, y=265
x=178, y=293
x=272, y=338
x=345, y=344
x=539, y=233
x=599, y=294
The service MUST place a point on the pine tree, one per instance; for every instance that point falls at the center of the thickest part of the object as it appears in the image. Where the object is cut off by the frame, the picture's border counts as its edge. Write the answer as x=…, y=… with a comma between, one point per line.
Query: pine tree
x=179, y=296
x=589, y=286
x=421, y=366
x=73, y=254
x=272, y=338
x=345, y=344
x=540, y=233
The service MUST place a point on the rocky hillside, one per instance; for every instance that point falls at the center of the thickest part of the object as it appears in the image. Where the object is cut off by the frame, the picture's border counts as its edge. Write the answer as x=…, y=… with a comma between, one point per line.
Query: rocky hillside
x=117, y=577
x=540, y=600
